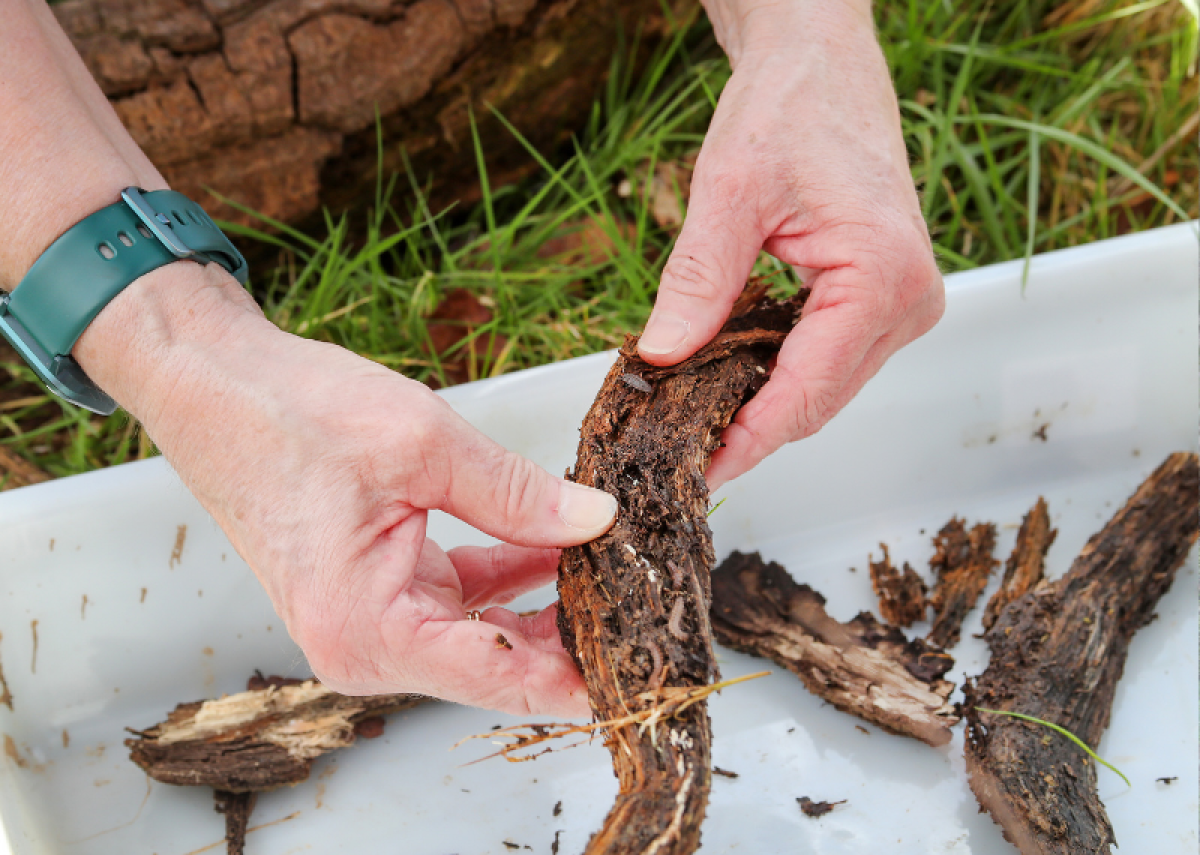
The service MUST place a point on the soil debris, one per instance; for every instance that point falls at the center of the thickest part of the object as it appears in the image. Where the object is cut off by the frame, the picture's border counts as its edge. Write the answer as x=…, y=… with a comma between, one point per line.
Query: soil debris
x=177, y=550
x=724, y=773
x=816, y=809
x=6, y=697
x=502, y=642
x=901, y=592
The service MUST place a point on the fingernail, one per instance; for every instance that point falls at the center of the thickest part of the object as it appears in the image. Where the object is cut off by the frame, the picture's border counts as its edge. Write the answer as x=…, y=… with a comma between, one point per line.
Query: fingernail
x=584, y=508
x=665, y=333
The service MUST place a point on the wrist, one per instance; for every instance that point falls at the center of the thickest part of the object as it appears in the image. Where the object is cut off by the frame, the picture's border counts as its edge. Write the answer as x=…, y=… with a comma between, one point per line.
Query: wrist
x=140, y=348
x=768, y=27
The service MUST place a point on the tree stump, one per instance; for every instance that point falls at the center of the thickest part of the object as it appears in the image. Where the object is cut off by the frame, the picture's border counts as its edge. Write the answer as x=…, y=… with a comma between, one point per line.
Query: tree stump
x=273, y=103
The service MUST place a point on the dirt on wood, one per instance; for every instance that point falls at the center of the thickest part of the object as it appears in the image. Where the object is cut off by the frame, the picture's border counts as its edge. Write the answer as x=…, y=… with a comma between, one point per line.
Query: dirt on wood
x=901, y=593
x=1057, y=654
x=1026, y=567
x=634, y=606
x=861, y=667
x=962, y=563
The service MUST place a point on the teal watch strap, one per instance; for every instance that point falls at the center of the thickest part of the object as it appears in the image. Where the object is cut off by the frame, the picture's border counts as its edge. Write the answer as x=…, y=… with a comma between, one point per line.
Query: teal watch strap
x=92, y=262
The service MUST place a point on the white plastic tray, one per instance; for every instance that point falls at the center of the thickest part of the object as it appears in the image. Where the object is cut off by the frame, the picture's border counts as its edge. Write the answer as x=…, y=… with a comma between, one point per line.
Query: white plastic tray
x=1101, y=348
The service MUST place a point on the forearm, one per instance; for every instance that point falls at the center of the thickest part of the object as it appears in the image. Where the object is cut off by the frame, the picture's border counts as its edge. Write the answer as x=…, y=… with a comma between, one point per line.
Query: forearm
x=63, y=156
x=774, y=26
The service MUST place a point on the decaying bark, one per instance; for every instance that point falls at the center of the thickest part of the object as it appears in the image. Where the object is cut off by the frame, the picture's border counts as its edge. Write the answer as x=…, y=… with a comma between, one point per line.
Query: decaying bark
x=635, y=602
x=962, y=561
x=256, y=740
x=1026, y=566
x=901, y=593
x=1057, y=654
x=273, y=102
x=861, y=667
x=236, y=808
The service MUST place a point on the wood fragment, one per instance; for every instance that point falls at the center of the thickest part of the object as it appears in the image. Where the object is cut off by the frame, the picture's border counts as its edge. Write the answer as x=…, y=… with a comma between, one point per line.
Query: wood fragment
x=255, y=740
x=901, y=593
x=634, y=606
x=1026, y=566
x=816, y=809
x=861, y=667
x=236, y=808
x=962, y=561
x=1057, y=654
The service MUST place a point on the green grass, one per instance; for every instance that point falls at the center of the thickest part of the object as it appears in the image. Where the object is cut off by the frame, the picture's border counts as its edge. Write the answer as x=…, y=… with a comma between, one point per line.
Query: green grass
x=1064, y=732
x=1031, y=126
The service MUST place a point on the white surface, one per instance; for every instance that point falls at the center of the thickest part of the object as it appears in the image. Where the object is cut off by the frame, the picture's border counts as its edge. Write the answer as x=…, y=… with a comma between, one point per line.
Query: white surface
x=1102, y=348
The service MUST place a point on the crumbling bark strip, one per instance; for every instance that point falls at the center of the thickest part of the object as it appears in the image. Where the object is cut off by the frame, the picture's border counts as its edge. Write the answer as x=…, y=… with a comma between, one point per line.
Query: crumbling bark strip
x=860, y=667
x=1026, y=566
x=901, y=594
x=236, y=808
x=255, y=740
x=963, y=561
x=635, y=602
x=1057, y=654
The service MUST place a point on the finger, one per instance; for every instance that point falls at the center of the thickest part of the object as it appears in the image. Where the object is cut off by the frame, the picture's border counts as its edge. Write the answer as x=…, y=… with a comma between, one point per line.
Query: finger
x=502, y=493
x=483, y=664
x=746, y=442
x=707, y=270
x=492, y=576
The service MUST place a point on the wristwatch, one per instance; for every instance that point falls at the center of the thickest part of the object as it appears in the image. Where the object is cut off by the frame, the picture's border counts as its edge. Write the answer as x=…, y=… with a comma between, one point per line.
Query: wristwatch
x=89, y=265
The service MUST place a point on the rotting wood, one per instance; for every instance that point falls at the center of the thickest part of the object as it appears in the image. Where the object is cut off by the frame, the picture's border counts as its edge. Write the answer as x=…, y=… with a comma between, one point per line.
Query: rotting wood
x=1026, y=566
x=255, y=740
x=962, y=561
x=861, y=667
x=634, y=603
x=901, y=593
x=1057, y=654
x=274, y=102
x=236, y=808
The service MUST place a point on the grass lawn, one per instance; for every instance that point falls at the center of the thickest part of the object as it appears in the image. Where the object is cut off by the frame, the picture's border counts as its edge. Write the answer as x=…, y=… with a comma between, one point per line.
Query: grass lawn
x=1032, y=125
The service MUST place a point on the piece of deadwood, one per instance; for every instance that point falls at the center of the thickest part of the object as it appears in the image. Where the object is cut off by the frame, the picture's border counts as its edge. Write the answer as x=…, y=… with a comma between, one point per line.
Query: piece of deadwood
x=255, y=740
x=634, y=603
x=962, y=561
x=861, y=667
x=901, y=593
x=1057, y=654
x=1026, y=566
x=236, y=808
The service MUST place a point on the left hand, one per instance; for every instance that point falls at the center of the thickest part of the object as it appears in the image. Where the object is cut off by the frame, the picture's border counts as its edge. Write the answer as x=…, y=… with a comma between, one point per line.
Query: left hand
x=805, y=159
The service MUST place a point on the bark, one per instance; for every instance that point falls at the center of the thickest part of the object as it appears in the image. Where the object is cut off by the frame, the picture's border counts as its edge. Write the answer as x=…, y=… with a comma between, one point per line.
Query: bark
x=273, y=102
x=236, y=808
x=255, y=740
x=901, y=593
x=1057, y=654
x=634, y=606
x=962, y=561
x=1026, y=567
x=861, y=667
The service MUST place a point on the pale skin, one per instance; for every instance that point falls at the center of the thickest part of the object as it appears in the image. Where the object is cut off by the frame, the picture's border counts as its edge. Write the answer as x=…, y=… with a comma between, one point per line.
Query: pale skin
x=321, y=466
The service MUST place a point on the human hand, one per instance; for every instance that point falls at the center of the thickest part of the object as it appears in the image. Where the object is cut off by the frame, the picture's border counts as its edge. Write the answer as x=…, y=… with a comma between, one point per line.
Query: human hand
x=320, y=466
x=805, y=159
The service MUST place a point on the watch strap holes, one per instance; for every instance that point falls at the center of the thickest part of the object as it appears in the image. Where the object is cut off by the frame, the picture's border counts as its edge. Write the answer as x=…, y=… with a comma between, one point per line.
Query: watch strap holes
x=106, y=250
x=144, y=232
x=124, y=238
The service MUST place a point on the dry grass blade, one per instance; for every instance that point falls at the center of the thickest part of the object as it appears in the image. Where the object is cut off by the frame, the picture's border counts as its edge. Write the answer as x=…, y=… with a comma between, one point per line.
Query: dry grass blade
x=668, y=703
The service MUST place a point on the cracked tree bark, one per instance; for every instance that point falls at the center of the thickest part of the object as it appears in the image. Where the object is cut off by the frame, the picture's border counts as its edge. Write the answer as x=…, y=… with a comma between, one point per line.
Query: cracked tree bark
x=272, y=103
x=635, y=602
x=1057, y=654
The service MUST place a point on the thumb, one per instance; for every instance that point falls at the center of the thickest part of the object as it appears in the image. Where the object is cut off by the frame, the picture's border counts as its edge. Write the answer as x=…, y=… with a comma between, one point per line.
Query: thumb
x=706, y=272
x=512, y=498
